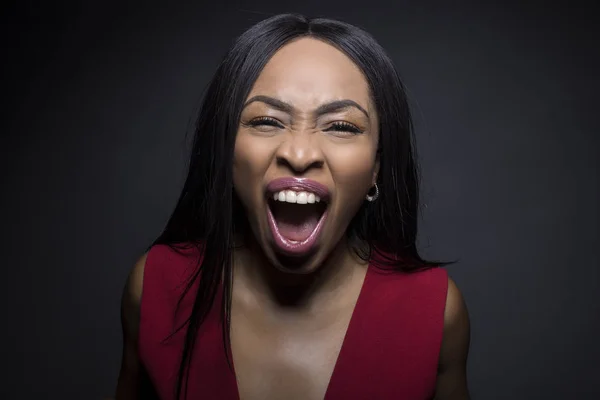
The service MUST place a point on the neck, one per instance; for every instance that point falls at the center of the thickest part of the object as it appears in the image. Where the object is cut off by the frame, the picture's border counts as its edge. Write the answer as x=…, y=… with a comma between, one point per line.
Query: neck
x=259, y=278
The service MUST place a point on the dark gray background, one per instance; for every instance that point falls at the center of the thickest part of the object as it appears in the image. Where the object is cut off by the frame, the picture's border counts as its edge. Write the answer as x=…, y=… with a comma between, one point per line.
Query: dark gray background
x=98, y=99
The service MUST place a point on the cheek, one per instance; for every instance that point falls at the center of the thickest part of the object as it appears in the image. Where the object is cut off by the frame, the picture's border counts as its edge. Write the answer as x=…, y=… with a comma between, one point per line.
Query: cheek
x=249, y=165
x=352, y=171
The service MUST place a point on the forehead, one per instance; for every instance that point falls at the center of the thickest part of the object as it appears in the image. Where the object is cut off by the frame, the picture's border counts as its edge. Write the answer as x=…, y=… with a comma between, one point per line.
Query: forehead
x=309, y=72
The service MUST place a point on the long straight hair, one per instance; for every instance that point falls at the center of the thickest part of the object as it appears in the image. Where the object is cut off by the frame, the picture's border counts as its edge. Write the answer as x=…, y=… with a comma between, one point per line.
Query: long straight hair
x=208, y=212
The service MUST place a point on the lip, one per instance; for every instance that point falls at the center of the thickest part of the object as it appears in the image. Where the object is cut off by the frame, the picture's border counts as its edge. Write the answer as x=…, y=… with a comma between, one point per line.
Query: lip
x=299, y=184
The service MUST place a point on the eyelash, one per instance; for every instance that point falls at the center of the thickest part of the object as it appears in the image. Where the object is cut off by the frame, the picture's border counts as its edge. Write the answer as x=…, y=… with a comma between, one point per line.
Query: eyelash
x=336, y=126
x=265, y=121
x=344, y=127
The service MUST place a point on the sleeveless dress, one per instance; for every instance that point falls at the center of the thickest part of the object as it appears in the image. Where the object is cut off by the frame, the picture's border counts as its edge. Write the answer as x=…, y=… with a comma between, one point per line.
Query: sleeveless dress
x=390, y=351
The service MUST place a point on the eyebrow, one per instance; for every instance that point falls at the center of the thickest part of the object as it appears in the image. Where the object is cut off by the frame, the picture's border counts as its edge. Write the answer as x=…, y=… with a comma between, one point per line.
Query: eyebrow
x=323, y=109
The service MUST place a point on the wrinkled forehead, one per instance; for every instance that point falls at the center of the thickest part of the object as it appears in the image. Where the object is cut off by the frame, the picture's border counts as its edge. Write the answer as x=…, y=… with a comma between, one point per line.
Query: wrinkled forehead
x=308, y=72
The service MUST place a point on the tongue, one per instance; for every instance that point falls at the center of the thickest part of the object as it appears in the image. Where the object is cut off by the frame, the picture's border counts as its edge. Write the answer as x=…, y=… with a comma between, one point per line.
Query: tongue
x=295, y=221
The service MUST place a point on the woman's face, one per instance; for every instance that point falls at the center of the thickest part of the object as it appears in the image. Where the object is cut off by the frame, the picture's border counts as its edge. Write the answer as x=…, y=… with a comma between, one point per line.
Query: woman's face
x=305, y=152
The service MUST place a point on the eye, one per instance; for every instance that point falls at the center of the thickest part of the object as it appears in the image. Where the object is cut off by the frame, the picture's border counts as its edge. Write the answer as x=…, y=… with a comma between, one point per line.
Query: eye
x=343, y=126
x=265, y=122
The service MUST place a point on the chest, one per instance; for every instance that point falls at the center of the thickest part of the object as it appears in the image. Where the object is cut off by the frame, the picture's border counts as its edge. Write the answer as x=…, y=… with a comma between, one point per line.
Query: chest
x=387, y=347
x=291, y=358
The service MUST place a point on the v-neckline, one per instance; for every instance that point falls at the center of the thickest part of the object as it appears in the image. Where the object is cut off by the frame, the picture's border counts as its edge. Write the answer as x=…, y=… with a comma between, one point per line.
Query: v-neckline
x=343, y=347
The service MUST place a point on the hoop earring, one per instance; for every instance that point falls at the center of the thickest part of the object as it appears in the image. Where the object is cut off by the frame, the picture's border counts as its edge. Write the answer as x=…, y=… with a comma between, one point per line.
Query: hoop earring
x=373, y=197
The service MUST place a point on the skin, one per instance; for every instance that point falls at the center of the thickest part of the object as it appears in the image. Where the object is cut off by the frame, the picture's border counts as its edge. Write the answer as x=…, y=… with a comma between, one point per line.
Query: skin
x=288, y=321
x=306, y=75
x=308, y=306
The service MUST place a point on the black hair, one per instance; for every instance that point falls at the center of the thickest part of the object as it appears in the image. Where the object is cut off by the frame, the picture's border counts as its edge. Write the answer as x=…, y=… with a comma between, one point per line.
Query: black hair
x=208, y=212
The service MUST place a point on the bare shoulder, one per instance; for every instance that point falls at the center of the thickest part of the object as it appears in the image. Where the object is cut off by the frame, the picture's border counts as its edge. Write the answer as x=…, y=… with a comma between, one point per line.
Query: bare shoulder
x=132, y=296
x=452, y=378
x=128, y=384
x=456, y=314
x=135, y=280
x=457, y=329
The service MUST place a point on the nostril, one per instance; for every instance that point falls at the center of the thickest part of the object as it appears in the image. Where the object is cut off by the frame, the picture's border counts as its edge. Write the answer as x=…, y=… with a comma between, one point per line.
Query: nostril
x=299, y=166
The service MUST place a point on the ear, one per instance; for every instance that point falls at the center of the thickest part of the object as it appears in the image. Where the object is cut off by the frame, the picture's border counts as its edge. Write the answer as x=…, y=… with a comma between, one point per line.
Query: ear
x=375, y=172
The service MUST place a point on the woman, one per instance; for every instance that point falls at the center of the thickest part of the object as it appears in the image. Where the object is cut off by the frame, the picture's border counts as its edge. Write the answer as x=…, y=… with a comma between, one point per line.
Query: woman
x=288, y=269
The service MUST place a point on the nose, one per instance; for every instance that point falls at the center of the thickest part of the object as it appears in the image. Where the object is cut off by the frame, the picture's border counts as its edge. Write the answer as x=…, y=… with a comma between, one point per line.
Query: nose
x=300, y=152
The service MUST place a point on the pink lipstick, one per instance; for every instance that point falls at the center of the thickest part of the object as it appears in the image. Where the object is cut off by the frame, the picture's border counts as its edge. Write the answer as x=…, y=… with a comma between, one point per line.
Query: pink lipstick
x=298, y=184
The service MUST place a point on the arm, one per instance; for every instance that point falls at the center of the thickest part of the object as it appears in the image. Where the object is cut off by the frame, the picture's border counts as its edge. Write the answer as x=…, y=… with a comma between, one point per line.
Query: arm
x=131, y=373
x=452, y=376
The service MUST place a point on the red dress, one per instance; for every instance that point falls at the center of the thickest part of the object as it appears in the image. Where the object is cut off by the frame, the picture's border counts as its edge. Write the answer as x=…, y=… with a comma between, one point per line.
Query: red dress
x=390, y=350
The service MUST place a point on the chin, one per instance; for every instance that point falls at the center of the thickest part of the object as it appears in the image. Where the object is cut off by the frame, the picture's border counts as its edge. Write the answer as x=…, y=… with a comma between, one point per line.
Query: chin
x=300, y=265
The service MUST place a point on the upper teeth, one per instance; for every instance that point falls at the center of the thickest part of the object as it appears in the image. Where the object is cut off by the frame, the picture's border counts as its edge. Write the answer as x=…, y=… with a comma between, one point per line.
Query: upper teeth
x=289, y=196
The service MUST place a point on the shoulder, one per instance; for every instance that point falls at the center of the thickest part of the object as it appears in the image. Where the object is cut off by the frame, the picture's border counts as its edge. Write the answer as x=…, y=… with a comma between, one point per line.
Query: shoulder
x=177, y=261
x=136, y=276
x=456, y=316
x=131, y=372
x=428, y=286
x=162, y=276
x=132, y=295
x=452, y=379
x=153, y=283
x=156, y=258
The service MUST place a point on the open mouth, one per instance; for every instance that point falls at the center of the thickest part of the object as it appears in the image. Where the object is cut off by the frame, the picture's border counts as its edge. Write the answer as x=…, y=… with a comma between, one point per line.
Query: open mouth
x=296, y=219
